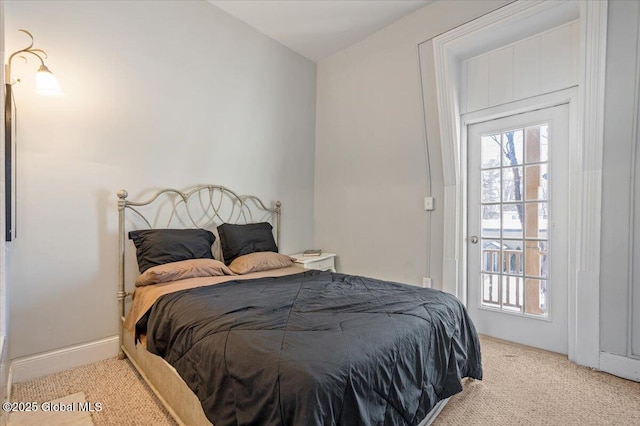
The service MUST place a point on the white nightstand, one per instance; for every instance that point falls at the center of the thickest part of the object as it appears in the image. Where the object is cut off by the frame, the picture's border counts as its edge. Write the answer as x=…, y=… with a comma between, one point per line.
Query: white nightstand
x=324, y=262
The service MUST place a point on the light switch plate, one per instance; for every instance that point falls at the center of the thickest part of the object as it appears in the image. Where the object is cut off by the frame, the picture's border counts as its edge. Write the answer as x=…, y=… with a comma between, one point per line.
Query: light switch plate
x=428, y=203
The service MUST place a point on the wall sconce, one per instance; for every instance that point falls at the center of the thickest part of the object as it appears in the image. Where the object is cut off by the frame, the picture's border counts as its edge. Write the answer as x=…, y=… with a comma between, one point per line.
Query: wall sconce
x=46, y=84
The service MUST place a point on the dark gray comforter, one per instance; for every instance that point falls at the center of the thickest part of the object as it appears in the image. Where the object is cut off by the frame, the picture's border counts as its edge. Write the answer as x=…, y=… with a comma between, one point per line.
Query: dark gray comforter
x=316, y=348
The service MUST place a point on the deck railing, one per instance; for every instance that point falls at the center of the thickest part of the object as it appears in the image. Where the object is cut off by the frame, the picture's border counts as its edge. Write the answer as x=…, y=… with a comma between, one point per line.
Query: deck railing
x=511, y=262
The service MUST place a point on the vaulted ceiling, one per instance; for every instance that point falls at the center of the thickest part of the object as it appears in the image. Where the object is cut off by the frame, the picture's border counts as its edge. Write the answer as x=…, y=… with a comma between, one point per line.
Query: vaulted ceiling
x=318, y=28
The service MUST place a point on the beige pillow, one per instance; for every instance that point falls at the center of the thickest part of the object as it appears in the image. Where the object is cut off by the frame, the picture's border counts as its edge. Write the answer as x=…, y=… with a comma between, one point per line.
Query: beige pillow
x=181, y=270
x=259, y=261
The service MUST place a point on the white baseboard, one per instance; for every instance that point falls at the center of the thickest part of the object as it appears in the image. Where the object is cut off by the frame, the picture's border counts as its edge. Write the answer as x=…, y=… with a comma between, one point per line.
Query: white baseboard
x=31, y=367
x=622, y=366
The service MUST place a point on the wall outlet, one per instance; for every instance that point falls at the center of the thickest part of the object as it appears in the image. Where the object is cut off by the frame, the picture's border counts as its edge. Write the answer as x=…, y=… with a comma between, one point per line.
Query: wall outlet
x=428, y=203
x=426, y=282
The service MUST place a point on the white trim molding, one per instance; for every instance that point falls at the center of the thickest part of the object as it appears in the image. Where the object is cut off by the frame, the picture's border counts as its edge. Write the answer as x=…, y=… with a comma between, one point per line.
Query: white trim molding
x=31, y=367
x=584, y=286
x=622, y=366
x=518, y=20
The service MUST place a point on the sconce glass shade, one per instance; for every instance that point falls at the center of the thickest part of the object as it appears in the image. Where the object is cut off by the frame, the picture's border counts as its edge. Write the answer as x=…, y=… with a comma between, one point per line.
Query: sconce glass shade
x=46, y=83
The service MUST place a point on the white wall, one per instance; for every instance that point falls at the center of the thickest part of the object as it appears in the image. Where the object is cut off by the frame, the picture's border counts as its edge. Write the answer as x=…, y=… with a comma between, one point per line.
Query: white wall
x=371, y=166
x=619, y=242
x=158, y=94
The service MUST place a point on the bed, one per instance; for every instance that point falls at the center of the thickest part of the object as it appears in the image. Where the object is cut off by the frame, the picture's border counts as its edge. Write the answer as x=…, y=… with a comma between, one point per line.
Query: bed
x=255, y=339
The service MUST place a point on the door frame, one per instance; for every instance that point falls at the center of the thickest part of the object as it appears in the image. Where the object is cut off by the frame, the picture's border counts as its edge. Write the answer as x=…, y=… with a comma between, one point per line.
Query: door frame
x=568, y=97
x=586, y=166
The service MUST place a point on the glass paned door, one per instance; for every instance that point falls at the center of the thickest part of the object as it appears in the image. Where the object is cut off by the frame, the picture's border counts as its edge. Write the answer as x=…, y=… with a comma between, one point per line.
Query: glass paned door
x=513, y=194
x=517, y=187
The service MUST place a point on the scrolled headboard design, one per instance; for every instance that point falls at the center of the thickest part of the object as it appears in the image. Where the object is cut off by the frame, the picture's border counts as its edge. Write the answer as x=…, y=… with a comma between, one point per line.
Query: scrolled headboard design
x=203, y=206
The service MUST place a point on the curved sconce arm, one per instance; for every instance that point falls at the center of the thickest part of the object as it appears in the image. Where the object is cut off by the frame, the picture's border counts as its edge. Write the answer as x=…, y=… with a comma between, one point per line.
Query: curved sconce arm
x=46, y=82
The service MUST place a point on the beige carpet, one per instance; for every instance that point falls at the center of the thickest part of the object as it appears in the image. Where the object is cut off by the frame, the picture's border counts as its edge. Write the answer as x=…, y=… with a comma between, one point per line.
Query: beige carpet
x=125, y=398
x=522, y=386
x=526, y=386
x=71, y=410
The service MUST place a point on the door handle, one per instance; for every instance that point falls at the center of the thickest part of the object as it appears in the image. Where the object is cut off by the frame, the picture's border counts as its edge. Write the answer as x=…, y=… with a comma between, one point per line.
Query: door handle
x=473, y=239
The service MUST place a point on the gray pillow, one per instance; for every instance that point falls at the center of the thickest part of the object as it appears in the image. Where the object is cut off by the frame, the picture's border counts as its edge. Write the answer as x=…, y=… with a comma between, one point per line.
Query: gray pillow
x=159, y=246
x=237, y=240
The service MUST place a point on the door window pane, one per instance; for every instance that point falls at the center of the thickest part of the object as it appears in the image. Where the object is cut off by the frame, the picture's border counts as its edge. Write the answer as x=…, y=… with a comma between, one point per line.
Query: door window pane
x=536, y=295
x=537, y=144
x=536, y=177
x=536, y=220
x=512, y=148
x=490, y=221
x=491, y=257
x=490, y=186
x=491, y=290
x=512, y=181
x=512, y=295
x=490, y=151
x=536, y=258
x=512, y=258
x=512, y=216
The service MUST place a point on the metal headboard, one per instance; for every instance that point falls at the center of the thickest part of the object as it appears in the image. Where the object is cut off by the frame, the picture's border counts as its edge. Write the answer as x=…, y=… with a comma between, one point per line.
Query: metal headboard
x=204, y=206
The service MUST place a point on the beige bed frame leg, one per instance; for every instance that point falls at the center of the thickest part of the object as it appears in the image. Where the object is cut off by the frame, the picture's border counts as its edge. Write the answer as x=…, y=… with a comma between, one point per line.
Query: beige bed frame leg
x=122, y=294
